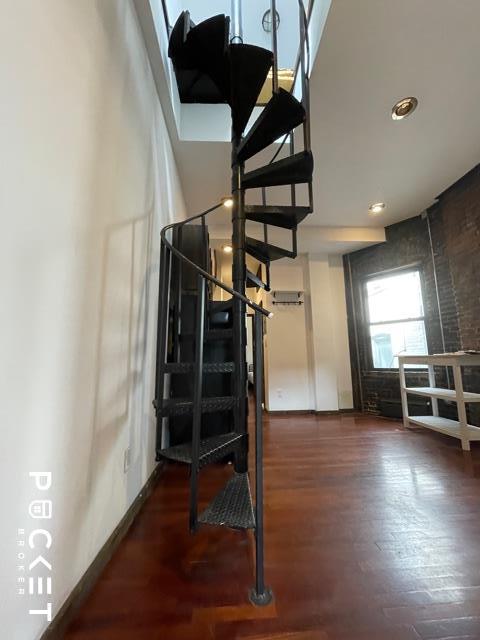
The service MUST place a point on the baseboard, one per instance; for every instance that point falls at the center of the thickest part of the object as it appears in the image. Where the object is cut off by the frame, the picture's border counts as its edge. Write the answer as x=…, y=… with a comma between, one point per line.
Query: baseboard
x=312, y=412
x=335, y=412
x=293, y=412
x=58, y=626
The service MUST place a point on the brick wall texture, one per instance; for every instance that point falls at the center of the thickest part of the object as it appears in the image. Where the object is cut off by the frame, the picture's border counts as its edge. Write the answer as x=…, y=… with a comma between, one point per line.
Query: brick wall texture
x=450, y=264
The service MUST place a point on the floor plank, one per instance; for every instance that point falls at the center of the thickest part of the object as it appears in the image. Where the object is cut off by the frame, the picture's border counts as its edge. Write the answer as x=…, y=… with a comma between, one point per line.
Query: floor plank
x=371, y=534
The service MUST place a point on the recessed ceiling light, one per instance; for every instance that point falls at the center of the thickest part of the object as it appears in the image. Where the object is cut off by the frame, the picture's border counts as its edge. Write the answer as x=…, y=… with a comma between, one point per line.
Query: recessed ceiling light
x=404, y=108
x=227, y=202
x=227, y=248
x=378, y=207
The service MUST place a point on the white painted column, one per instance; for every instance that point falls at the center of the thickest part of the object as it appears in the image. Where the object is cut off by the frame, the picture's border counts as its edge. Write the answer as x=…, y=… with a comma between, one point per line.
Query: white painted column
x=329, y=336
x=286, y=355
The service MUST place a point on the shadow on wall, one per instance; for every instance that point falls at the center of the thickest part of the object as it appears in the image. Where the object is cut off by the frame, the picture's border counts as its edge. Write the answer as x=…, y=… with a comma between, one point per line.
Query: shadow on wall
x=118, y=300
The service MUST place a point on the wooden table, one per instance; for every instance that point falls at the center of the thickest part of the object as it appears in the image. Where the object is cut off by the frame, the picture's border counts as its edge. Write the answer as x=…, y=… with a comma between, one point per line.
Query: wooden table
x=456, y=428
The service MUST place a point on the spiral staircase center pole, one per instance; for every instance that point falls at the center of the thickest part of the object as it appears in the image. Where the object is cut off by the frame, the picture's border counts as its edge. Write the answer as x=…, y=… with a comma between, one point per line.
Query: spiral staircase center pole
x=239, y=275
x=237, y=21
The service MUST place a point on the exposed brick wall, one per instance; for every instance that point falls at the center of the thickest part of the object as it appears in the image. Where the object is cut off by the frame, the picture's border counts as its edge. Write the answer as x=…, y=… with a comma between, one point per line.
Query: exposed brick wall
x=447, y=298
x=454, y=223
x=459, y=208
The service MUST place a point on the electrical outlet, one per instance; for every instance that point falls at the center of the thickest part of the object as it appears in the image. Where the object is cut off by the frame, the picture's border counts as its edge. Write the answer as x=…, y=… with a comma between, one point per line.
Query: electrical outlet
x=126, y=459
x=279, y=393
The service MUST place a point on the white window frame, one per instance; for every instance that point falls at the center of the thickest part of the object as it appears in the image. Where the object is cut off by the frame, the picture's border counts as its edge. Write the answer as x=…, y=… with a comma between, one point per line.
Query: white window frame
x=369, y=324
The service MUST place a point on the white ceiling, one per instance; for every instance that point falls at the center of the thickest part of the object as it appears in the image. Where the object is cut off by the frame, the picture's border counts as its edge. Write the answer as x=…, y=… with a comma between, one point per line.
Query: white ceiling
x=372, y=53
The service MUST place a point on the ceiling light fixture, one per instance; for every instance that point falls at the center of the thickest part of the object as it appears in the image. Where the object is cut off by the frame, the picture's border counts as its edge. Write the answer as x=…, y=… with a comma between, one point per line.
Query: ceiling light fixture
x=378, y=207
x=227, y=202
x=404, y=108
x=227, y=248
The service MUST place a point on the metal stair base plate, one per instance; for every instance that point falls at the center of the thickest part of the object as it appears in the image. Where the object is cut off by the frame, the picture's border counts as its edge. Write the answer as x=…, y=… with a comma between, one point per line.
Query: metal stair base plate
x=232, y=507
x=261, y=599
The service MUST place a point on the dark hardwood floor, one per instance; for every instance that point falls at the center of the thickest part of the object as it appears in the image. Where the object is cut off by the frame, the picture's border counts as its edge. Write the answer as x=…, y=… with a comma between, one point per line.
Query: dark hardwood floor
x=372, y=533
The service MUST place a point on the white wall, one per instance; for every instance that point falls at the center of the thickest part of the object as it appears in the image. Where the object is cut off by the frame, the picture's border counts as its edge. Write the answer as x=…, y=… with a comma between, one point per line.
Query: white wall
x=88, y=179
x=286, y=360
x=340, y=332
x=306, y=349
x=328, y=333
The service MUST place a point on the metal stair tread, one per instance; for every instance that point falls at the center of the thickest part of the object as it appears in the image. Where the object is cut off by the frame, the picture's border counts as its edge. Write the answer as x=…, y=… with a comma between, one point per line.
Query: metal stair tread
x=221, y=305
x=211, y=449
x=286, y=217
x=282, y=114
x=294, y=169
x=199, y=56
x=208, y=367
x=232, y=507
x=209, y=44
x=249, y=67
x=265, y=252
x=254, y=281
x=184, y=406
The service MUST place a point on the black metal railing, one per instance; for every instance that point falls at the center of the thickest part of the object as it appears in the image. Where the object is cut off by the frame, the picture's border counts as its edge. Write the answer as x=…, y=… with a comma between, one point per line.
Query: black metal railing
x=172, y=260
x=302, y=65
x=168, y=26
x=167, y=287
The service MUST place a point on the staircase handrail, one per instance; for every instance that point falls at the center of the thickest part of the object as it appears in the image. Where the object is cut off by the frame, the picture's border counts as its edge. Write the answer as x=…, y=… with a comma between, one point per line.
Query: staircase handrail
x=202, y=272
x=306, y=21
x=179, y=254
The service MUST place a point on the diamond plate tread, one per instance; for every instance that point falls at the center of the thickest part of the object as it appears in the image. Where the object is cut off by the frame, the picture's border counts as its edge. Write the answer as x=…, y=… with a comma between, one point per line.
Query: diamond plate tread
x=232, y=507
x=184, y=406
x=211, y=449
x=208, y=367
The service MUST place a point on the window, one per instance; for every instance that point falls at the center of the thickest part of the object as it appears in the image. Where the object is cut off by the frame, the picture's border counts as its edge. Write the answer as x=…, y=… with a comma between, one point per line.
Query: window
x=395, y=318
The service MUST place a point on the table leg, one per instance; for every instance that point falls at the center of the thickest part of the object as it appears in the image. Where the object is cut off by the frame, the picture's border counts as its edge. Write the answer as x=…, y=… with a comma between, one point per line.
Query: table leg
x=462, y=412
x=403, y=393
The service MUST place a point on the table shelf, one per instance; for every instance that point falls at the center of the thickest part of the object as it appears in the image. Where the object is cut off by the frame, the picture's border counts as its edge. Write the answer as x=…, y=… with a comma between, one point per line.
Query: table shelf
x=456, y=428
x=443, y=394
x=445, y=426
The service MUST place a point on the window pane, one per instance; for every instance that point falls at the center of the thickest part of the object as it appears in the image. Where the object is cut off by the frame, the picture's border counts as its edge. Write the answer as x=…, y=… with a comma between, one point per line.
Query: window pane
x=395, y=297
x=405, y=338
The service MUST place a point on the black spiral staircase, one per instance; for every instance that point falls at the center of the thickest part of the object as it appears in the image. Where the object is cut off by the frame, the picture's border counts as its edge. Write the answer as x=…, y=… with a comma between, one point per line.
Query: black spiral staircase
x=212, y=68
